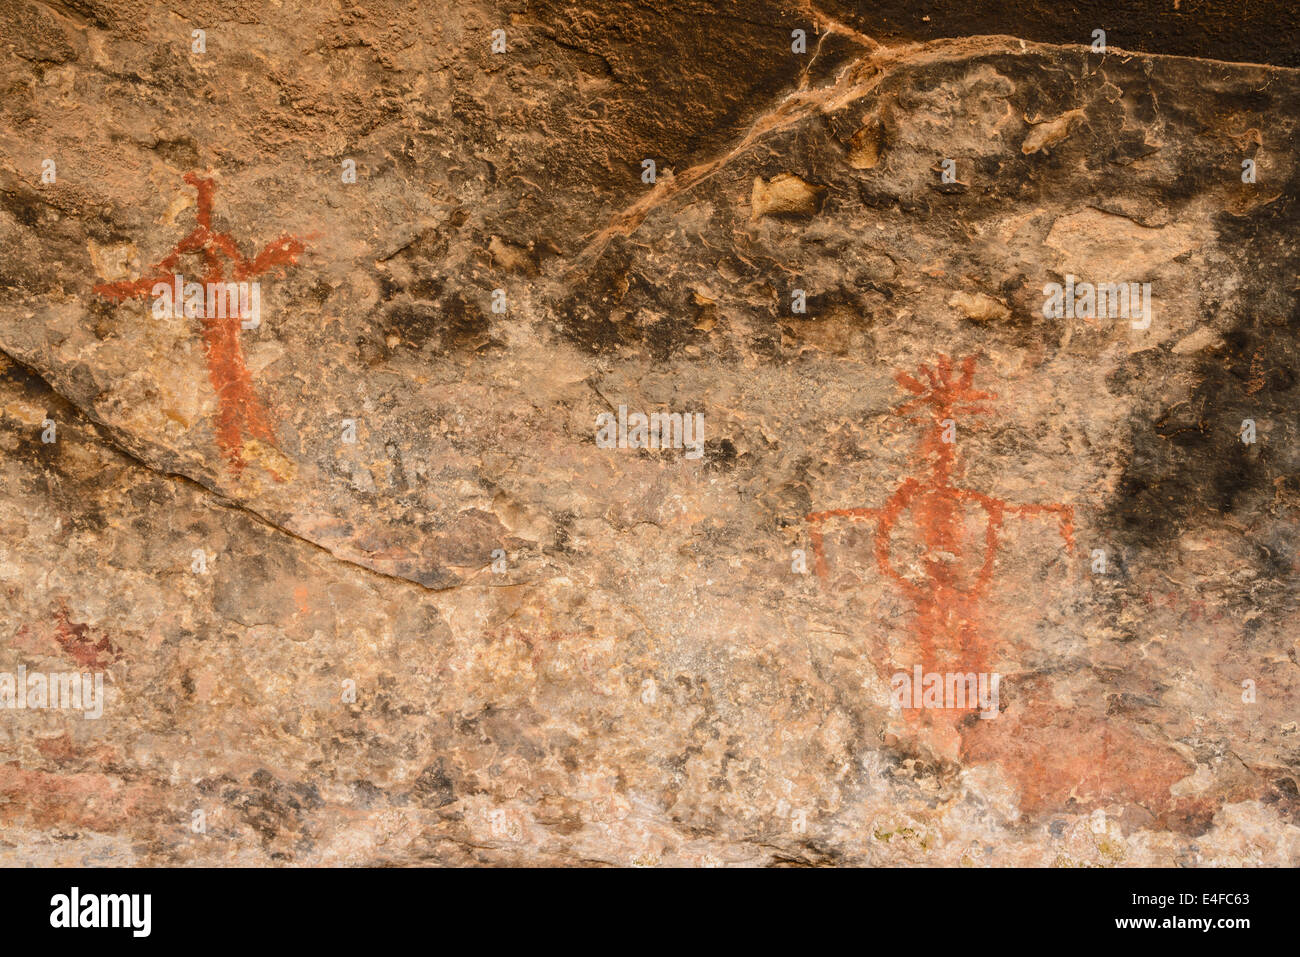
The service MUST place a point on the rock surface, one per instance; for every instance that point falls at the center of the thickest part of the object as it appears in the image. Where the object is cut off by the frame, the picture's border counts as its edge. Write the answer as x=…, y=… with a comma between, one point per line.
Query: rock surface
x=364, y=585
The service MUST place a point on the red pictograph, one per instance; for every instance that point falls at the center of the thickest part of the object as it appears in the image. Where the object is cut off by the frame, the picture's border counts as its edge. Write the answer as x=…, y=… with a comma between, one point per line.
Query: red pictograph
x=240, y=413
x=946, y=596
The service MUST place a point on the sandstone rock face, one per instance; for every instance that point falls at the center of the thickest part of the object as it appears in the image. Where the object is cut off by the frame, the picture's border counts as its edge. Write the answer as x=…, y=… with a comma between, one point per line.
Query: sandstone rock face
x=967, y=355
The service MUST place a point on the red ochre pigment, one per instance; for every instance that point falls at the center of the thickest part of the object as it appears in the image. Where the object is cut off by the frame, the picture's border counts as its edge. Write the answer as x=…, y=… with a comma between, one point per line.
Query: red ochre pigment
x=240, y=414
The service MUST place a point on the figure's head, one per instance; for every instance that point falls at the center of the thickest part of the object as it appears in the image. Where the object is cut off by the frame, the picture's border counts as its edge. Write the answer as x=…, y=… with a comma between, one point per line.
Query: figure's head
x=946, y=389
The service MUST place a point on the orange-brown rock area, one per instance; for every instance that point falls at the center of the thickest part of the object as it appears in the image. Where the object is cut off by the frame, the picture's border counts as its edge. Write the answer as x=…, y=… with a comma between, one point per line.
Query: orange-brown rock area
x=970, y=342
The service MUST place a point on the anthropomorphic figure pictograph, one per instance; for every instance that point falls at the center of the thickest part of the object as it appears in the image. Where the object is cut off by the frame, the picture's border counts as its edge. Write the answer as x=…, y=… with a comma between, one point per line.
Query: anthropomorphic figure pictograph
x=241, y=417
x=948, y=583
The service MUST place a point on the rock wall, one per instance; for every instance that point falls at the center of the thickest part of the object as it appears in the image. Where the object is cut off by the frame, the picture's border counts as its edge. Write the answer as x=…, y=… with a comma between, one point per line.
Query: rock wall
x=388, y=566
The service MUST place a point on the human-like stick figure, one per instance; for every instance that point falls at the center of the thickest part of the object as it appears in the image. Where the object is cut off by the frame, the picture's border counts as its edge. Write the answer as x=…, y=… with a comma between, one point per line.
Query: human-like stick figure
x=240, y=414
x=945, y=599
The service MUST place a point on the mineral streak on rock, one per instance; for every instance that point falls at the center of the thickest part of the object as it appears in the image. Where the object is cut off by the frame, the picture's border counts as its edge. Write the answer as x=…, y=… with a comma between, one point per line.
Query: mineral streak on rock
x=362, y=585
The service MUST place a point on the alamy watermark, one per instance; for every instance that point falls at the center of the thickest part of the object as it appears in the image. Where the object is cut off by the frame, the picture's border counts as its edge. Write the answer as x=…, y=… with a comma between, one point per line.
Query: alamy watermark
x=214, y=300
x=658, y=430
x=75, y=909
x=60, y=691
x=1103, y=300
x=946, y=691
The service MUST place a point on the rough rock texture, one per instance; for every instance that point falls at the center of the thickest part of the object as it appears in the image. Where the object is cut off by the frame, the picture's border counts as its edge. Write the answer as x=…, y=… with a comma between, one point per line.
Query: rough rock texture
x=563, y=653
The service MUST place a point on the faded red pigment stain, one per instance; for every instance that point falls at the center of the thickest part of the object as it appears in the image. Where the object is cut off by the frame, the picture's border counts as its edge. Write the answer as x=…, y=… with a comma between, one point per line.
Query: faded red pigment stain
x=96, y=801
x=64, y=750
x=947, y=601
x=240, y=413
x=1192, y=610
x=89, y=647
x=1062, y=758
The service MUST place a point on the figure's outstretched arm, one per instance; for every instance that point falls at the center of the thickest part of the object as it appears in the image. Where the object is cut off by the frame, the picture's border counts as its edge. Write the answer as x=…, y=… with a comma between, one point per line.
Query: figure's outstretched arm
x=161, y=271
x=1063, y=513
